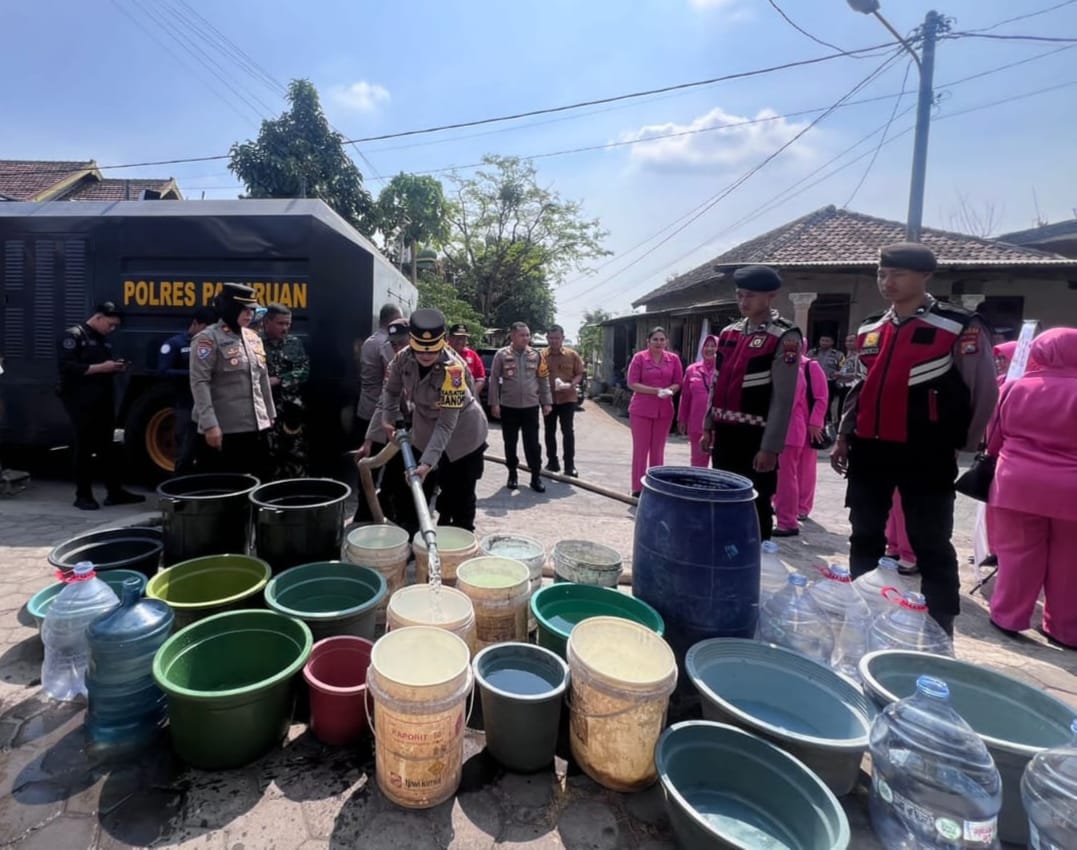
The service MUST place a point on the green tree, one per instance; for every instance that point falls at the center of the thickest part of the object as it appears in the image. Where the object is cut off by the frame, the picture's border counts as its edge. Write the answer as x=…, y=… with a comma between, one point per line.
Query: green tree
x=589, y=338
x=298, y=155
x=412, y=211
x=441, y=295
x=514, y=240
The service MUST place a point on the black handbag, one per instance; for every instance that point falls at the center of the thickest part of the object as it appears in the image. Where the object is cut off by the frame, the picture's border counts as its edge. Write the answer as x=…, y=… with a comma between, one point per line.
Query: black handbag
x=830, y=433
x=976, y=481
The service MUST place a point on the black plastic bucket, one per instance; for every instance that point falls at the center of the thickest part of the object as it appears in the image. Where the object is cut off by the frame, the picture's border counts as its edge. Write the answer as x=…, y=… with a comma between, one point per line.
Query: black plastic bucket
x=136, y=548
x=206, y=515
x=299, y=521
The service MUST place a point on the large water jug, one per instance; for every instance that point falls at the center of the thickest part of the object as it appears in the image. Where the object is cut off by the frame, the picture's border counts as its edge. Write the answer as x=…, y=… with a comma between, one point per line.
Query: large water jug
x=1049, y=792
x=872, y=584
x=126, y=708
x=934, y=785
x=791, y=619
x=908, y=626
x=773, y=576
x=84, y=598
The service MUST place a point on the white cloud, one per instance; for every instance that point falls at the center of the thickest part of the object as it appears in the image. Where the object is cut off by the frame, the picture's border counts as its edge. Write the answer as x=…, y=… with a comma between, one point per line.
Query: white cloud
x=712, y=4
x=361, y=96
x=701, y=145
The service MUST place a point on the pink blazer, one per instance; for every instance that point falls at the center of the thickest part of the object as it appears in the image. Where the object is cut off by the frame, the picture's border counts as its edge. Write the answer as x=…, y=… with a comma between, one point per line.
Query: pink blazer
x=643, y=370
x=1033, y=434
x=802, y=417
x=695, y=396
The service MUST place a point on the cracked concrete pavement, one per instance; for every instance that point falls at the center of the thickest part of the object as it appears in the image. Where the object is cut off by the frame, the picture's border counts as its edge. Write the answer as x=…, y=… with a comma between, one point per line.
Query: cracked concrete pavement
x=303, y=796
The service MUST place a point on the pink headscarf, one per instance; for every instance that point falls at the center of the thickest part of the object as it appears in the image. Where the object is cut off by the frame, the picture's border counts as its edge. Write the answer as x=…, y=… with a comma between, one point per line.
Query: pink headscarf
x=707, y=366
x=1004, y=352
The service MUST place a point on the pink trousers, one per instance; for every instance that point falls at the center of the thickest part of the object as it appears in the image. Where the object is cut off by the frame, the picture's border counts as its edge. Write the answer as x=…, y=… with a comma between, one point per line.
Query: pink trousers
x=897, y=540
x=699, y=457
x=648, y=445
x=795, y=496
x=1034, y=553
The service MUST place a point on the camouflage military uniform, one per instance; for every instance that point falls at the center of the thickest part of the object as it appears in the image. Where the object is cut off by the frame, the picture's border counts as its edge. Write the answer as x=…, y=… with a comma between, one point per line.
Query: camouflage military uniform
x=287, y=359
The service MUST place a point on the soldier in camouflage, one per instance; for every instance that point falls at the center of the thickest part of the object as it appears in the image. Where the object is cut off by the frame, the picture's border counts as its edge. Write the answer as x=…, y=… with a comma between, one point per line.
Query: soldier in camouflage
x=289, y=369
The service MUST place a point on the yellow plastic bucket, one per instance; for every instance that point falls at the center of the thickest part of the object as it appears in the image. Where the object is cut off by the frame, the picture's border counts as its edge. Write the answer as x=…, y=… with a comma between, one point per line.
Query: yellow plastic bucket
x=622, y=675
x=499, y=588
x=414, y=606
x=420, y=678
x=455, y=545
x=384, y=548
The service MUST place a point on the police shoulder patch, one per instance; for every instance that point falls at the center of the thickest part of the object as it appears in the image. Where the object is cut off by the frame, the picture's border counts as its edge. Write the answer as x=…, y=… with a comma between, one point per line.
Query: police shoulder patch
x=69, y=343
x=453, y=391
x=166, y=348
x=970, y=341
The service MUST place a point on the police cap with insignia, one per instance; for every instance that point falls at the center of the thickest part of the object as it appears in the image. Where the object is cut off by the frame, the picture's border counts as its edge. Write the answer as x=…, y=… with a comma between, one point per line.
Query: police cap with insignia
x=757, y=279
x=239, y=293
x=459, y=329
x=427, y=330
x=398, y=331
x=908, y=255
x=109, y=309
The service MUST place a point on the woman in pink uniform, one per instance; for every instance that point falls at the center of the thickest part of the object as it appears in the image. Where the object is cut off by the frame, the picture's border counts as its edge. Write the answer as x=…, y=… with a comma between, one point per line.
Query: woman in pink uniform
x=654, y=376
x=698, y=380
x=797, y=466
x=1033, y=505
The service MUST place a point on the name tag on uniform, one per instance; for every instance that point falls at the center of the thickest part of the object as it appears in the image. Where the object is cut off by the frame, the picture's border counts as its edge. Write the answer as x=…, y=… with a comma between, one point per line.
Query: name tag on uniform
x=757, y=342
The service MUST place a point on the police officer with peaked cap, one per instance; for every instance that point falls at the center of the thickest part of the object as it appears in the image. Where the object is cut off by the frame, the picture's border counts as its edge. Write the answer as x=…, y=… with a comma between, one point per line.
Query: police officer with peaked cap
x=756, y=371
x=87, y=368
x=928, y=391
x=448, y=426
x=233, y=400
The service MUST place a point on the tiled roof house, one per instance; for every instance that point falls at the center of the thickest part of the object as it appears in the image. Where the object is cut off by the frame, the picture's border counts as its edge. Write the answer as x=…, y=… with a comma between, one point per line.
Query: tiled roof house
x=43, y=180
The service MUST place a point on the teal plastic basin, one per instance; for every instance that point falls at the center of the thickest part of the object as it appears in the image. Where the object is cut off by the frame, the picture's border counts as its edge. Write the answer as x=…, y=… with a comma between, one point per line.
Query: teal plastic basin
x=557, y=609
x=806, y=709
x=726, y=789
x=39, y=603
x=230, y=681
x=332, y=597
x=1015, y=720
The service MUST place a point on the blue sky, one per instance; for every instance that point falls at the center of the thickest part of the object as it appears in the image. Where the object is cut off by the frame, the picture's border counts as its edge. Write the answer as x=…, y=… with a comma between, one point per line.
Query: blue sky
x=135, y=81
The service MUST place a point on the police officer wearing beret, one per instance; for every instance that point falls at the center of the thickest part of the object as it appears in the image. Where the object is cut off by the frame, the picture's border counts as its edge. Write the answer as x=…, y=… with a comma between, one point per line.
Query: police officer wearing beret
x=756, y=371
x=233, y=400
x=87, y=368
x=174, y=364
x=928, y=391
x=448, y=426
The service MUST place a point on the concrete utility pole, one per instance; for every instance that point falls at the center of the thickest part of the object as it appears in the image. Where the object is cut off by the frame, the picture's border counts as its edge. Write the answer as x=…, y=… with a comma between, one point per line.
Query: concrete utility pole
x=925, y=63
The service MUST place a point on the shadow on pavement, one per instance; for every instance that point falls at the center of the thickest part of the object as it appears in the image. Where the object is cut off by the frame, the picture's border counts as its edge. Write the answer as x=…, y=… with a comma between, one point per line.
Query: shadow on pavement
x=305, y=769
x=21, y=664
x=40, y=717
x=369, y=821
x=63, y=770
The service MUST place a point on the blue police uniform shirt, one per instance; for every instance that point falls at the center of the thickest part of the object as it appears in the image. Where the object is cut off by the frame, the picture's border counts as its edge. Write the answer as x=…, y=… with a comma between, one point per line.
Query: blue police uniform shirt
x=174, y=357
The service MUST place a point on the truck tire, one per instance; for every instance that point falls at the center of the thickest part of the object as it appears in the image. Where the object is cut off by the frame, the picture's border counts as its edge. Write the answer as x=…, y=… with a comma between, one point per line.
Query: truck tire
x=149, y=436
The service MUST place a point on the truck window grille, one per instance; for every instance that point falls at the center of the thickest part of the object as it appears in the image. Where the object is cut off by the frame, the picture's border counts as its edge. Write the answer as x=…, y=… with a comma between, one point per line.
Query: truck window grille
x=75, y=295
x=45, y=327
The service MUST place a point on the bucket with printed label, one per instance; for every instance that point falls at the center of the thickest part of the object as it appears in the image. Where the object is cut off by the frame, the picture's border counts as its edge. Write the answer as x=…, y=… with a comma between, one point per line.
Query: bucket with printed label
x=420, y=678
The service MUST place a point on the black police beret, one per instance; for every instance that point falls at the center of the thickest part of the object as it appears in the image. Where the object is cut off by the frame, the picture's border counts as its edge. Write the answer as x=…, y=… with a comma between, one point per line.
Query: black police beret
x=427, y=330
x=398, y=330
x=757, y=279
x=239, y=293
x=908, y=255
x=459, y=329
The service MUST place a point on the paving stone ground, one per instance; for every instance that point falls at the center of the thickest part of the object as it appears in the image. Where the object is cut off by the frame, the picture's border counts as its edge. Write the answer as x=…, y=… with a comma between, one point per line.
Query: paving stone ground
x=305, y=796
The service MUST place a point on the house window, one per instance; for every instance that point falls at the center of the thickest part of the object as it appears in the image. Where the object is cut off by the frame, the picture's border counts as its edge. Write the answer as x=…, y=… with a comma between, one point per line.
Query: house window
x=828, y=316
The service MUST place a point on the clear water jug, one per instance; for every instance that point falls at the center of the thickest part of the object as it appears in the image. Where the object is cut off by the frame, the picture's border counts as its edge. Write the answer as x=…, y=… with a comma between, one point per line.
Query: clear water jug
x=873, y=583
x=126, y=708
x=773, y=576
x=84, y=598
x=908, y=626
x=1049, y=792
x=934, y=784
x=791, y=619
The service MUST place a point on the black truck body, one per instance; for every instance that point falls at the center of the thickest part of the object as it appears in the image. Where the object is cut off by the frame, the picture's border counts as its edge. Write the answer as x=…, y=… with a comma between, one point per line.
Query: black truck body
x=159, y=260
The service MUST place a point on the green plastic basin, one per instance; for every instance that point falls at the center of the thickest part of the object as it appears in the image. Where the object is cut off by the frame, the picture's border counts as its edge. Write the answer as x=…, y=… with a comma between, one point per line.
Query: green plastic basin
x=1015, y=720
x=559, y=607
x=203, y=586
x=805, y=708
x=726, y=789
x=331, y=597
x=39, y=603
x=230, y=681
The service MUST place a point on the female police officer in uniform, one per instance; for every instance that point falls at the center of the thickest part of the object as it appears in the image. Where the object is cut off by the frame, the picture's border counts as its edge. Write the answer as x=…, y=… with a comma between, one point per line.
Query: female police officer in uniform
x=448, y=426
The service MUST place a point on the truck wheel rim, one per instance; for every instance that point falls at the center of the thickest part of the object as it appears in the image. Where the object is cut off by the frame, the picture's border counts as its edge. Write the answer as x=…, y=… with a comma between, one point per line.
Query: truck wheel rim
x=161, y=441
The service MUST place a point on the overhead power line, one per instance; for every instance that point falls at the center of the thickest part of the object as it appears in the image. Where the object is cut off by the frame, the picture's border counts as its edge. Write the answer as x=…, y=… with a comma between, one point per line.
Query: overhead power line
x=1025, y=16
x=799, y=28
x=882, y=139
